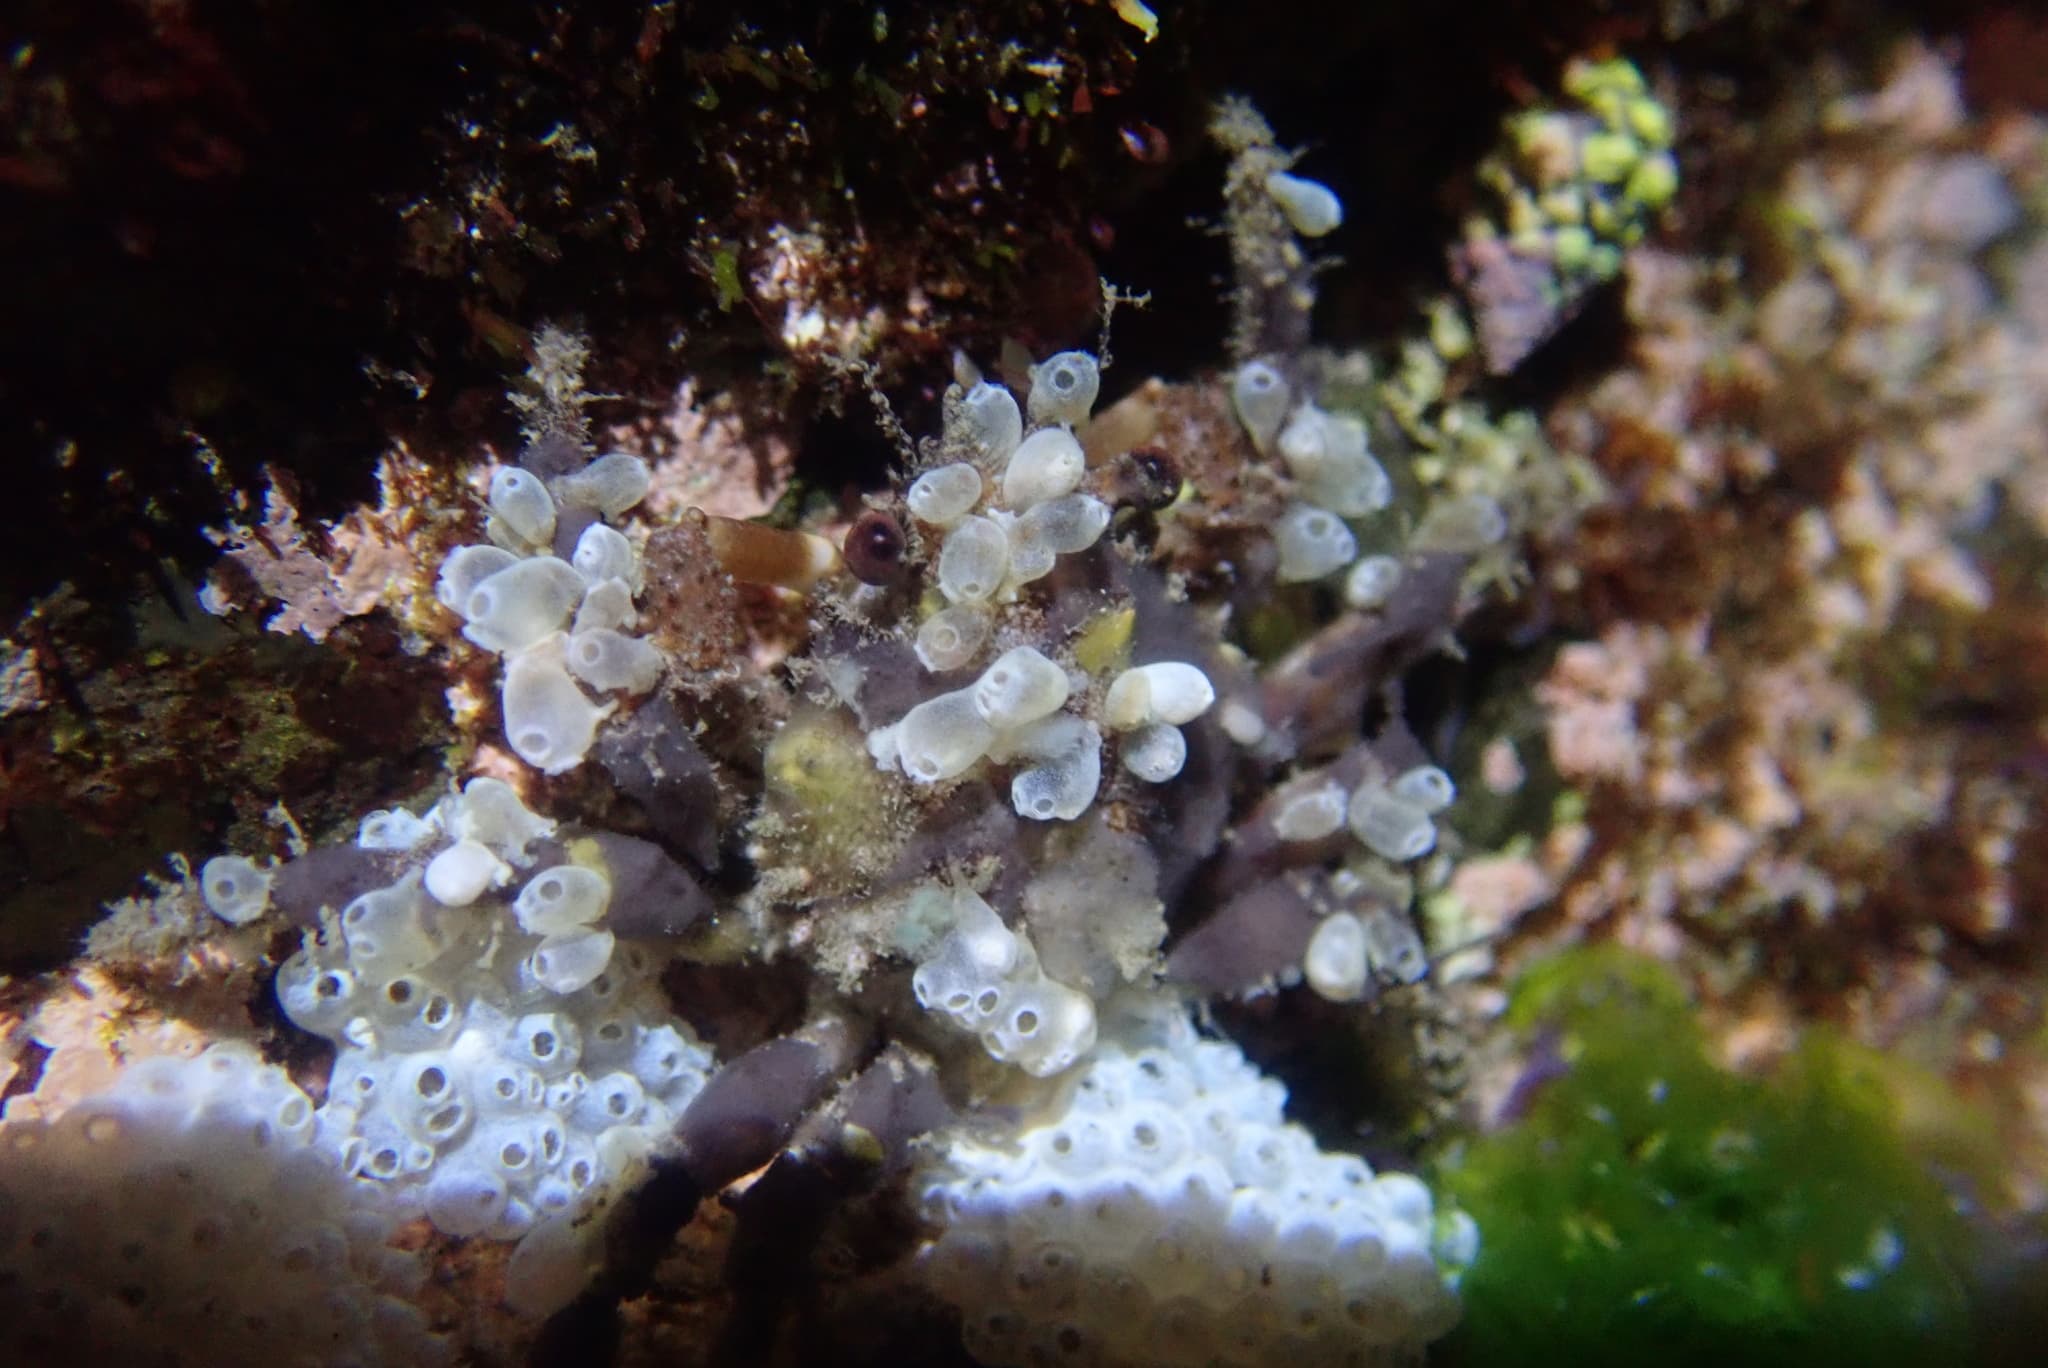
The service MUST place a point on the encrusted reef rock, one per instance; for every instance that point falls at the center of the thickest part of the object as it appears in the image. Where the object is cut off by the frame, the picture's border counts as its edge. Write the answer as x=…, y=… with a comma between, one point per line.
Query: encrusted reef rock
x=1045, y=880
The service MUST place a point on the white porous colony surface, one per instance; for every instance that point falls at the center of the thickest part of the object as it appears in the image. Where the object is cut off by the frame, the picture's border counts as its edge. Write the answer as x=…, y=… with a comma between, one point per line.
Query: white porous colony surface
x=503, y=1065
x=193, y=1214
x=1162, y=1212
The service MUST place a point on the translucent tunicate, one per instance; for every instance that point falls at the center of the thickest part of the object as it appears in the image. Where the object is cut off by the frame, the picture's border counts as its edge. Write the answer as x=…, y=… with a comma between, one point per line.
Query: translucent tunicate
x=459, y=875
x=1465, y=525
x=1393, y=947
x=235, y=890
x=1426, y=786
x=950, y=638
x=944, y=495
x=1354, y=491
x=386, y=931
x=1311, y=207
x=1372, y=582
x=1021, y=686
x=1064, y=525
x=1170, y=691
x=1310, y=816
x=605, y=659
x=1390, y=827
x=1046, y=465
x=994, y=425
x=1260, y=394
x=547, y=719
x=1334, y=963
x=973, y=561
x=1241, y=722
x=607, y=606
x=1155, y=753
x=1063, y=388
x=393, y=829
x=610, y=484
x=942, y=737
x=522, y=503
x=466, y=568
x=522, y=604
x=489, y=810
x=1312, y=542
x=1065, y=782
x=562, y=899
x=1317, y=444
x=563, y=963
x=1042, y=1027
x=603, y=553
x=1030, y=558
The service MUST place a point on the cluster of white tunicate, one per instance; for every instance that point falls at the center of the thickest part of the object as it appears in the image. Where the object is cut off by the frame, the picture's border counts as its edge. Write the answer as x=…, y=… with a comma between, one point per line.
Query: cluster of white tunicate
x=562, y=625
x=1395, y=820
x=500, y=1067
x=1011, y=714
x=1012, y=505
x=986, y=979
x=192, y=1213
x=1150, y=704
x=1163, y=1212
x=1006, y=511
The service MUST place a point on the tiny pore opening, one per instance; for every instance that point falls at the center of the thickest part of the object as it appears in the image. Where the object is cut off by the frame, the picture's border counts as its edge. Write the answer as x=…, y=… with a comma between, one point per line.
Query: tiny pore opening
x=618, y=1104
x=513, y=1155
x=590, y=651
x=1026, y=1022
x=611, y=1031
x=506, y=1087
x=543, y=1044
x=432, y=1082
x=549, y=888
x=224, y=888
x=399, y=991
x=437, y=1010
x=986, y=1003
x=328, y=986
x=533, y=739
x=444, y=1121
x=1146, y=1135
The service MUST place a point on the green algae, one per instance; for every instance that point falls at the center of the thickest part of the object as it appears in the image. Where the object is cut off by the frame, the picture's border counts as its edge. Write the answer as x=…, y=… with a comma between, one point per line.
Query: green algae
x=1651, y=1207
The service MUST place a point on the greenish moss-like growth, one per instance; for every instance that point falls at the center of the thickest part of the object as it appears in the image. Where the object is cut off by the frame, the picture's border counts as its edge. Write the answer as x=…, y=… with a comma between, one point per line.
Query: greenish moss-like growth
x=1650, y=1207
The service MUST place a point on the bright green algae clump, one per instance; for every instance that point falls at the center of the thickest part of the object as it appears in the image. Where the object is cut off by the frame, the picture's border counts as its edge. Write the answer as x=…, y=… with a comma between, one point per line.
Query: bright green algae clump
x=1650, y=1207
